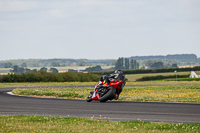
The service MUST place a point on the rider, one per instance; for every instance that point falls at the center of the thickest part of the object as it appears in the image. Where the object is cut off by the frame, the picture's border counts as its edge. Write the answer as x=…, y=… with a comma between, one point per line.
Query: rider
x=118, y=74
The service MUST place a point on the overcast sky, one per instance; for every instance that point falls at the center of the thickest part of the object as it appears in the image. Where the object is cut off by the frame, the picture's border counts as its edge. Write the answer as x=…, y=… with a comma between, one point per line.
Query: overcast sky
x=98, y=29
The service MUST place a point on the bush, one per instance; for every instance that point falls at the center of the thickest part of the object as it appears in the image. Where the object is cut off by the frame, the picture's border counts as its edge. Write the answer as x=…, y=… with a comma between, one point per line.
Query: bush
x=139, y=71
x=160, y=77
x=44, y=76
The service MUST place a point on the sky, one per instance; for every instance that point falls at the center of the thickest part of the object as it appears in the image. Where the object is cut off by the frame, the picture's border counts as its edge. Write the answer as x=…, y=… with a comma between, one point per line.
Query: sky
x=98, y=29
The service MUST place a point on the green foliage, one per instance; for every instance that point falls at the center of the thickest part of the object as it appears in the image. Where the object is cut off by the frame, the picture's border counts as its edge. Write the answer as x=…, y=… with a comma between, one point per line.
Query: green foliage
x=53, y=70
x=34, y=64
x=95, y=68
x=161, y=77
x=17, y=69
x=55, y=64
x=44, y=76
x=7, y=65
x=43, y=69
x=23, y=64
x=119, y=64
x=29, y=124
x=174, y=65
x=139, y=71
x=157, y=65
x=81, y=63
x=72, y=70
x=126, y=63
x=113, y=62
x=183, y=79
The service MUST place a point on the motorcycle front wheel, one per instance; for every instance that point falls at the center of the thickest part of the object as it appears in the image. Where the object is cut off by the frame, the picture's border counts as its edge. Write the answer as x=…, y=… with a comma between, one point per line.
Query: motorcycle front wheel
x=89, y=98
x=109, y=95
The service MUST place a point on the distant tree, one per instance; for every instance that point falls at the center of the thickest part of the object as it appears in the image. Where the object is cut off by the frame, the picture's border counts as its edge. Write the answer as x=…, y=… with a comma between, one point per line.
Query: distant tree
x=1, y=65
x=17, y=69
x=95, y=68
x=7, y=65
x=34, y=70
x=113, y=62
x=81, y=63
x=119, y=64
x=68, y=63
x=55, y=64
x=132, y=64
x=23, y=64
x=62, y=65
x=34, y=64
x=27, y=70
x=54, y=70
x=157, y=65
x=72, y=70
x=137, y=65
x=126, y=63
x=73, y=64
x=43, y=69
x=150, y=62
x=174, y=65
x=89, y=64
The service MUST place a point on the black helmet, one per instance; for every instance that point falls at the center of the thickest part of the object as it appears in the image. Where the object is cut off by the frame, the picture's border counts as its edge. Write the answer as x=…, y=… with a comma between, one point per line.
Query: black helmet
x=103, y=77
x=118, y=71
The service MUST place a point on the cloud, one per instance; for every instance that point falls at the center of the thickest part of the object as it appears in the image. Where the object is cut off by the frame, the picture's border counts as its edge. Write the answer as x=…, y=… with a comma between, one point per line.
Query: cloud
x=14, y=5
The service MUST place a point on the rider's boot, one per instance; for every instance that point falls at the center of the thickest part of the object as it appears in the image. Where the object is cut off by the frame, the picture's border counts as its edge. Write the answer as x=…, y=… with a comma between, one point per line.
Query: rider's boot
x=116, y=96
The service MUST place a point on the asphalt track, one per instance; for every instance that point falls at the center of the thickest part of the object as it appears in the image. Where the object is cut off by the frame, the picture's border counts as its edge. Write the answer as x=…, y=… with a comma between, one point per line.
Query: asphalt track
x=115, y=110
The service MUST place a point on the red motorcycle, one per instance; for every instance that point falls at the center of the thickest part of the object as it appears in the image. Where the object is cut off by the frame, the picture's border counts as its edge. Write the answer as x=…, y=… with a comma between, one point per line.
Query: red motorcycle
x=108, y=91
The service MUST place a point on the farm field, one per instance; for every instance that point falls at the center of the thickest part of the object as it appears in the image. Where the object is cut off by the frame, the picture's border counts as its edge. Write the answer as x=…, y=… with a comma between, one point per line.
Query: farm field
x=133, y=77
x=33, y=124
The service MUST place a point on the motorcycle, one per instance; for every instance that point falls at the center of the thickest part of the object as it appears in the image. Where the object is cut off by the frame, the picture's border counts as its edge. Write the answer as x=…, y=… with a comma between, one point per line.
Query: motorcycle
x=103, y=92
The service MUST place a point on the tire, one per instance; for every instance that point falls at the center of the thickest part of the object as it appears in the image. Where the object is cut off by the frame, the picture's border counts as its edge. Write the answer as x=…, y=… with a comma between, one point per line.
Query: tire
x=109, y=95
x=89, y=98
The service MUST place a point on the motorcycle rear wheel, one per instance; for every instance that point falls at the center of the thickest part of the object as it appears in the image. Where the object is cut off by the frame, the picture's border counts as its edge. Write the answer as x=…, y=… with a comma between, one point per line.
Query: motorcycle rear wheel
x=109, y=95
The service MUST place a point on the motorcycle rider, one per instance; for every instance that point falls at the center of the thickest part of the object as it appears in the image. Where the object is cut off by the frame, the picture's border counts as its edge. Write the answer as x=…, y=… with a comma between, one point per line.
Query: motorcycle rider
x=118, y=74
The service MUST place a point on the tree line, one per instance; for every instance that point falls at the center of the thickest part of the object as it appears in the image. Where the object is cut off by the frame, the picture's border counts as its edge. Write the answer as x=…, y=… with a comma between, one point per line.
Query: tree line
x=122, y=63
x=18, y=69
x=44, y=76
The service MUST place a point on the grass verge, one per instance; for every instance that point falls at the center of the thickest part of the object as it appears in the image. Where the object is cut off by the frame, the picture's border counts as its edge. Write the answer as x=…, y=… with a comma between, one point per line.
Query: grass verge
x=23, y=123
x=187, y=93
x=94, y=83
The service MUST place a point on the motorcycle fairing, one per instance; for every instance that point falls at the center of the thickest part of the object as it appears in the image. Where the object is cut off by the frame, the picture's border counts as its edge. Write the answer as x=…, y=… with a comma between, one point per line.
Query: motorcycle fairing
x=95, y=96
x=116, y=83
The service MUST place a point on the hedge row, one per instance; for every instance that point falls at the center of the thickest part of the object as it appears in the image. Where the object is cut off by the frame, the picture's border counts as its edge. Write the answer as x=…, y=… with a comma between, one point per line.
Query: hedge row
x=160, y=77
x=49, y=77
x=139, y=71
x=183, y=79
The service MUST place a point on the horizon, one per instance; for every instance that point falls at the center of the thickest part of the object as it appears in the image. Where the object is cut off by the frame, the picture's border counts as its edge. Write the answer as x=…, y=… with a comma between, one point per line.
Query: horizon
x=95, y=59
x=98, y=29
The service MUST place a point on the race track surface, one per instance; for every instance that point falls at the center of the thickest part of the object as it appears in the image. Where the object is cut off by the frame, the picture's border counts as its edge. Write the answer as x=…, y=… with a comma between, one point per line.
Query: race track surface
x=115, y=110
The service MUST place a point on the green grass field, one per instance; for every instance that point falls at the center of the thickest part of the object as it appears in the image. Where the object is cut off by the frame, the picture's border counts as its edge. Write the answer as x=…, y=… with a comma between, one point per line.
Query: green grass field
x=189, y=93
x=38, y=124
x=133, y=77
